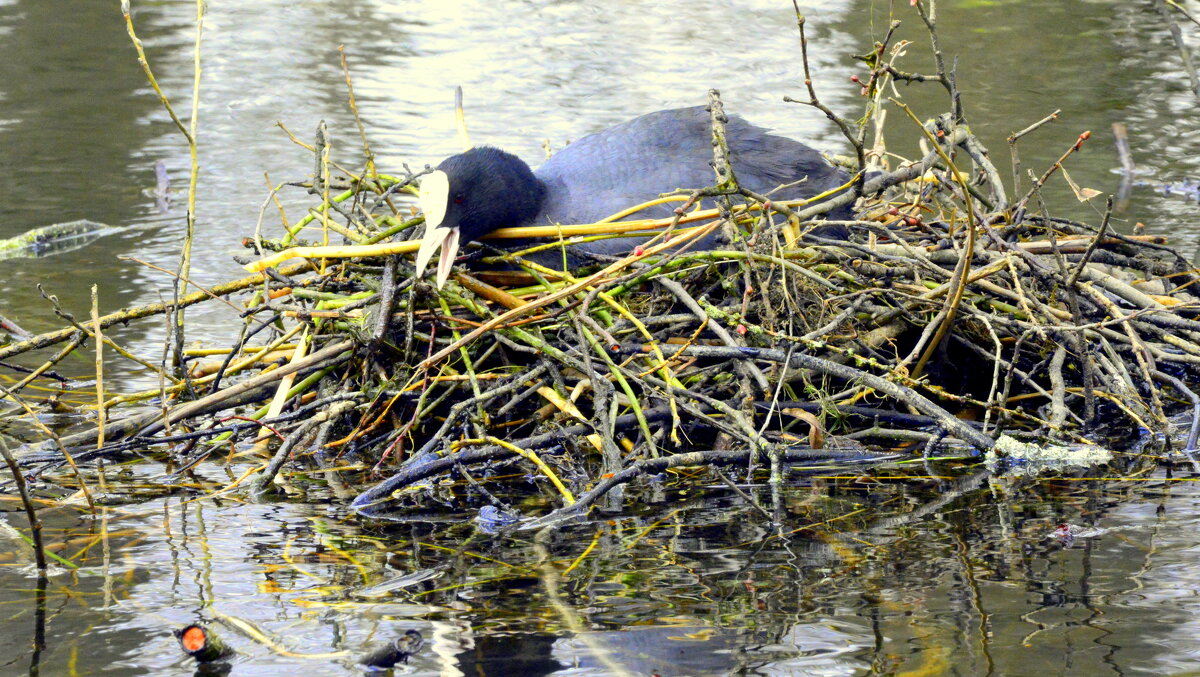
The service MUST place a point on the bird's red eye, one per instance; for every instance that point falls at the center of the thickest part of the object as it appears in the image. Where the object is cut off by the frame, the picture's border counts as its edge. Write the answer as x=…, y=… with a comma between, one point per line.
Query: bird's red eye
x=458, y=199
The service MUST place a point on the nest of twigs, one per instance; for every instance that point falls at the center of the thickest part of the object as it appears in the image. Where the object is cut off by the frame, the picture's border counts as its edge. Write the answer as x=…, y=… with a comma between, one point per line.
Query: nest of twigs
x=953, y=316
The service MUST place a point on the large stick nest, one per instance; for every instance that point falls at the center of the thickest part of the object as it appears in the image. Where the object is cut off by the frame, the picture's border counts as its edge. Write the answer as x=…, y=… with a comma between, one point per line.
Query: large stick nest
x=951, y=317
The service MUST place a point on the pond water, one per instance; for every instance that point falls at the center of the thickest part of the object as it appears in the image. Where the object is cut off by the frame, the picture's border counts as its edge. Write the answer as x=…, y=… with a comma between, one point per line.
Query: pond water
x=926, y=571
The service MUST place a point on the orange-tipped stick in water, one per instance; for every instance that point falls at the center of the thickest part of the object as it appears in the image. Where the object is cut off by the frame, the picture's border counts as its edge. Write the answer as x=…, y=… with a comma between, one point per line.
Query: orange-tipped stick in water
x=202, y=644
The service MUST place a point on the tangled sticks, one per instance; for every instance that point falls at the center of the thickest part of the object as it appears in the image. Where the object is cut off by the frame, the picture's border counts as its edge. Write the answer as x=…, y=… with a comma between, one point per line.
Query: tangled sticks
x=776, y=351
x=684, y=342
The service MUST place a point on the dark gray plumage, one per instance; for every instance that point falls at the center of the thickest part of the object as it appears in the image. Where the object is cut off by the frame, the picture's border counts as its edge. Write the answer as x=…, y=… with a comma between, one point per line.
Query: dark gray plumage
x=622, y=166
x=660, y=152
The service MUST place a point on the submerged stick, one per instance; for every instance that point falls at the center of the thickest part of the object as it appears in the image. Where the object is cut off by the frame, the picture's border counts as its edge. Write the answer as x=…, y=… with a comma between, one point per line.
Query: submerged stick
x=101, y=410
x=696, y=459
x=35, y=524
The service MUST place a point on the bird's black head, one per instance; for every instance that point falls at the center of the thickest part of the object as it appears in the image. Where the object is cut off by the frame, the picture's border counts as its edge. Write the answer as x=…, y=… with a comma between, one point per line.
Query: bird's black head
x=489, y=189
x=470, y=195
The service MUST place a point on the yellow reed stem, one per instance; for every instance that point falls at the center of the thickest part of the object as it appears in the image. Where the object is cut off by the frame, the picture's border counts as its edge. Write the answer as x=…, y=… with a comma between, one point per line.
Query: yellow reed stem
x=645, y=205
x=233, y=368
x=532, y=457
x=409, y=246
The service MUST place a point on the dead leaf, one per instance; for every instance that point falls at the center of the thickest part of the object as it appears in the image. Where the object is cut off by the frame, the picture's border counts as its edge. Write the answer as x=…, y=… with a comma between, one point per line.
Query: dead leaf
x=816, y=434
x=1081, y=194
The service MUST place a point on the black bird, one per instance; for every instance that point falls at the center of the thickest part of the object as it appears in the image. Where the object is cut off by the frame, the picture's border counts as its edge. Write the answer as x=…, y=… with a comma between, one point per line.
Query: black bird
x=475, y=192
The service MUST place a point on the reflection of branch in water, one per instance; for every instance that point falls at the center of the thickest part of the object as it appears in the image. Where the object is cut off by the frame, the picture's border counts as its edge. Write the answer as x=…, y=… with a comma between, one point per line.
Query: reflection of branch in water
x=952, y=492
x=1128, y=169
x=550, y=579
x=1184, y=53
x=57, y=238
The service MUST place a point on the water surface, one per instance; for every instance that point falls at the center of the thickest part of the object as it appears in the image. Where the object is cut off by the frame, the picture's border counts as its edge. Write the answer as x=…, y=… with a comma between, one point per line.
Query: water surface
x=941, y=574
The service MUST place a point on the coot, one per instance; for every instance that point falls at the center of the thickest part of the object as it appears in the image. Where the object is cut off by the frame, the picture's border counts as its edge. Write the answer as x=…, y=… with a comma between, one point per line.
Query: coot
x=475, y=192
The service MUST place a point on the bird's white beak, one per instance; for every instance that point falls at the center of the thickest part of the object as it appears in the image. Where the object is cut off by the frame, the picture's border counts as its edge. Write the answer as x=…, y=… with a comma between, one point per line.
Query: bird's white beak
x=434, y=198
